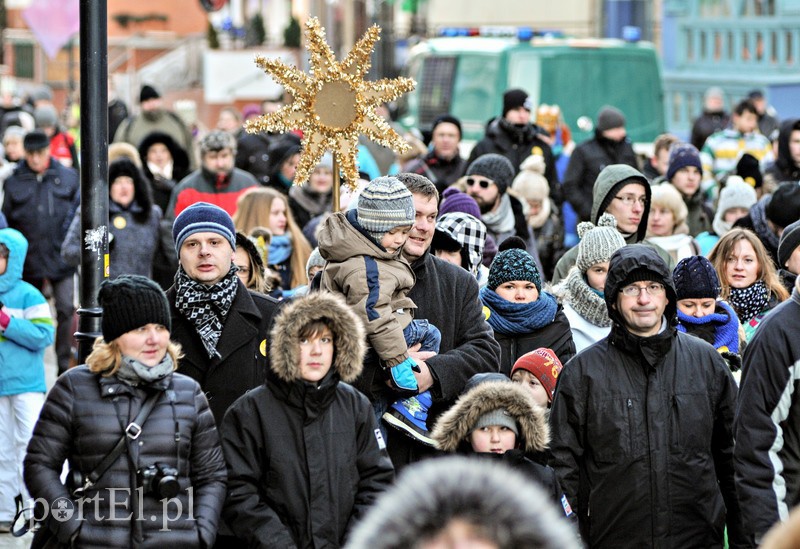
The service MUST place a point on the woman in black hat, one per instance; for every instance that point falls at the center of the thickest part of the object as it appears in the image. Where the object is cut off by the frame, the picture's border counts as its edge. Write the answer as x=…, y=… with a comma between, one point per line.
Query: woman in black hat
x=167, y=487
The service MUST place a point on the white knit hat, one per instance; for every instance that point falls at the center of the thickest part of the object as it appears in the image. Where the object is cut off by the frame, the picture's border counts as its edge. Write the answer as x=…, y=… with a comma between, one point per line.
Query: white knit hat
x=735, y=194
x=598, y=242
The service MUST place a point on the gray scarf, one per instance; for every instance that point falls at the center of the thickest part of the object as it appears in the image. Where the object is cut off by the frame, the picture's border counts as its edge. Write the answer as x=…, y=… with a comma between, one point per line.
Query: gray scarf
x=586, y=302
x=501, y=220
x=133, y=372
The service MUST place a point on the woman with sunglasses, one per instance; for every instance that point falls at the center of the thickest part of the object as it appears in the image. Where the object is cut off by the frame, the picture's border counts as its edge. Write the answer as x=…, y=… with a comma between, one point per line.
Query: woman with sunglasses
x=522, y=316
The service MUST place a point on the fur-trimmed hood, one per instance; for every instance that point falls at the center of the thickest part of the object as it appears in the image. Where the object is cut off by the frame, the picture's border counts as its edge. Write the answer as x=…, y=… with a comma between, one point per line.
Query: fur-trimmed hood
x=348, y=338
x=456, y=424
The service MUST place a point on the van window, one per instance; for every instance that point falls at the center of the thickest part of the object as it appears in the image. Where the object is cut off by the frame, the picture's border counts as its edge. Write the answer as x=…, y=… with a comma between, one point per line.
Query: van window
x=436, y=89
x=474, y=88
x=525, y=71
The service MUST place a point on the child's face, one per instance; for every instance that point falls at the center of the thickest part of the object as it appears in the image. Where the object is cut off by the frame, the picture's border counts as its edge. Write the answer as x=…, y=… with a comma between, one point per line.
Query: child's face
x=394, y=239
x=697, y=308
x=596, y=276
x=532, y=384
x=495, y=439
x=316, y=356
x=3, y=265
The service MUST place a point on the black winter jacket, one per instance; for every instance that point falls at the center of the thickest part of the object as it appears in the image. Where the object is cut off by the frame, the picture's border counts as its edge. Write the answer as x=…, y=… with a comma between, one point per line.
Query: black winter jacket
x=305, y=461
x=42, y=211
x=585, y=164
x=767, y=427
x=82, y=420
x=243, y=362
x=643, y=432
x=556, y=336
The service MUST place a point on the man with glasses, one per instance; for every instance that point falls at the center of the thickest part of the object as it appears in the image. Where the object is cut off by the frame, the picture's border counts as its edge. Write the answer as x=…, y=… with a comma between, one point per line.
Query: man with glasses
x=488, y=178
x=642, y=422
x=624, y=192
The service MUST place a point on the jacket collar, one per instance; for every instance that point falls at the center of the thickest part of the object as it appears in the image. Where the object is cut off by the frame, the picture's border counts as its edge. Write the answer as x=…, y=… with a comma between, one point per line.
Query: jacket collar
x=112, y=386
x=312, y=399
x=653, y=349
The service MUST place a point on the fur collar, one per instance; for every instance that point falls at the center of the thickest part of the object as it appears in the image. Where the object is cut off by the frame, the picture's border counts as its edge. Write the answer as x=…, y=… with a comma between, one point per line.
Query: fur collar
x=454, y=426
x=348, y=331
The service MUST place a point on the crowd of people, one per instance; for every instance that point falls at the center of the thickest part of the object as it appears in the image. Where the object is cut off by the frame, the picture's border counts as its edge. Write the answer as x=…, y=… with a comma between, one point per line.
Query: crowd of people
x=270, y=360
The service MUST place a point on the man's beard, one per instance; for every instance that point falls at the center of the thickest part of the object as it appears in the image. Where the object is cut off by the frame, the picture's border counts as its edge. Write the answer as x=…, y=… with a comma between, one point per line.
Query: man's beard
x=484, y=206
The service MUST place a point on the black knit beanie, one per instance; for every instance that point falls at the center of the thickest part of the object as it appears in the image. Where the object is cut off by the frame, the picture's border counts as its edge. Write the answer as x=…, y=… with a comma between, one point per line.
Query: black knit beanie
x=129, y=302
x=640, y=275
x=790, y=239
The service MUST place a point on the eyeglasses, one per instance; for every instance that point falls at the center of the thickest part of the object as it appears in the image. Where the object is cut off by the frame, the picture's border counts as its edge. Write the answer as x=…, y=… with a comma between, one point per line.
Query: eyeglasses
x=629, y=199
x=652, y=289
x=484, y=183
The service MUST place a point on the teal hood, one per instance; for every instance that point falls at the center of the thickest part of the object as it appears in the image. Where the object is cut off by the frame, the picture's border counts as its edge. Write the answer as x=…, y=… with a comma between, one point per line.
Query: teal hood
x=17, y=250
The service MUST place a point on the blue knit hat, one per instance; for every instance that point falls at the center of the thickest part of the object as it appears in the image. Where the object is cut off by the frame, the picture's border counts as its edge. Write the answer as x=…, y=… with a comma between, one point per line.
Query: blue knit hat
x=682, y=155
x=202, y=217
x=383, y=205
x=695, y=278
x=513, y=264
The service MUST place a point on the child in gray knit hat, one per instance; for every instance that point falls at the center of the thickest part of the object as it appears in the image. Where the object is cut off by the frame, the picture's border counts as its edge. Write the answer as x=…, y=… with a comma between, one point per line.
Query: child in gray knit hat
x=581, y=292
x=363, y=250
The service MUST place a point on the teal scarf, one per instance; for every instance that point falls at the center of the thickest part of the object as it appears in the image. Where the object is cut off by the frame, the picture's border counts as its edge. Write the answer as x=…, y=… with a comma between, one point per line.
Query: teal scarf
x=280, y=248
x=509, y=318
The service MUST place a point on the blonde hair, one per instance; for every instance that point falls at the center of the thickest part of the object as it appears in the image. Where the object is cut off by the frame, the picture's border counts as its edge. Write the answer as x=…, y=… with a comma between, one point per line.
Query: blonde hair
x=106, y=357
x=253, y=210
x=767, y=273
x=667, y=196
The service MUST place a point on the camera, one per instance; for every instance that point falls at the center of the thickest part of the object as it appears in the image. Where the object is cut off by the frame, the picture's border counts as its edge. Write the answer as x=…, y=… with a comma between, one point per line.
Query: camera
x=160, y=480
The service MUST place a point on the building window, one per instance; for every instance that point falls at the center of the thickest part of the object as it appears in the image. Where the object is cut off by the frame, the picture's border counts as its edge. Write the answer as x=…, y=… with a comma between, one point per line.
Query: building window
x=23, y=61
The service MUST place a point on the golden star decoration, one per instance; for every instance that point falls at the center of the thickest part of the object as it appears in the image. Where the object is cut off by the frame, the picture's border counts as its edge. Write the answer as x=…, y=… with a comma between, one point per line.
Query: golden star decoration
x=334, y=104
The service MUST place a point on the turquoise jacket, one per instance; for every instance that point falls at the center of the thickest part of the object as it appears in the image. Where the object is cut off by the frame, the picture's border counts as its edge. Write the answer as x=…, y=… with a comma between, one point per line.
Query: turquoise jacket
x=30, y=330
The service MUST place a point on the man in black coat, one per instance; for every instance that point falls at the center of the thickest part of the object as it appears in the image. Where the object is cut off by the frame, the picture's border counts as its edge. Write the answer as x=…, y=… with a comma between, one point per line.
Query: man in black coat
x=41, y=197
x=221, y=325
x=610, y=145
x=642, y=422
x=514, y=136
x=446, y=296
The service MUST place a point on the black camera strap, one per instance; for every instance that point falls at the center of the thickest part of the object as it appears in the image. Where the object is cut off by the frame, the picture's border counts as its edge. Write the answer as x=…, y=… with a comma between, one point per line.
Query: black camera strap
x=132, y=432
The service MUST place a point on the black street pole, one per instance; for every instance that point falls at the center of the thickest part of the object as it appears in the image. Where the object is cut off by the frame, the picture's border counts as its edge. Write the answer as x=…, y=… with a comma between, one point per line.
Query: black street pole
x=94, y=168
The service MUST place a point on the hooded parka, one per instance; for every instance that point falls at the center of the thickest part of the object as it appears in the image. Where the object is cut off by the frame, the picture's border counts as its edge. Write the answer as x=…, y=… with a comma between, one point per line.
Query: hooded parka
x=609, y=181
x=305, y=461
x=454, y=426
x=642, y=431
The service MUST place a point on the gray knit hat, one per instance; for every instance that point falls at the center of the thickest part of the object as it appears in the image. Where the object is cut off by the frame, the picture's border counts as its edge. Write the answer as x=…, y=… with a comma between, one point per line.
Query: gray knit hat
x=598, y=242
x=500, y=417
x=610, y=118
x=216, y=140
x=493, y=166
x=314, y=260
x=384, y=205
x=735, y=194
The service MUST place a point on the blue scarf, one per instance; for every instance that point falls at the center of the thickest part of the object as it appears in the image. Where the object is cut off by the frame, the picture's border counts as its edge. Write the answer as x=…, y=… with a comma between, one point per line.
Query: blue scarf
x=280, y=248
x=726, y=326
x=510, y=318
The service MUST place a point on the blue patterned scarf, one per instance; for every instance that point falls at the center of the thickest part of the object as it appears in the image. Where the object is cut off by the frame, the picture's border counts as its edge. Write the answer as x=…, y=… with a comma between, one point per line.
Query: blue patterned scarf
x=510, y=318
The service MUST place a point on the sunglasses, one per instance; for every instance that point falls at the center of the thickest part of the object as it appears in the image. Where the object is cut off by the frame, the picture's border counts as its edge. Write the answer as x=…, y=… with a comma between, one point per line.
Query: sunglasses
x=484, y=183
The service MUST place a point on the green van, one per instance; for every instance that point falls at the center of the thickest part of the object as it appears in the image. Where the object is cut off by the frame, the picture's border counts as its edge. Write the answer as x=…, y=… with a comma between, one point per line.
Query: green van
x=467, y=75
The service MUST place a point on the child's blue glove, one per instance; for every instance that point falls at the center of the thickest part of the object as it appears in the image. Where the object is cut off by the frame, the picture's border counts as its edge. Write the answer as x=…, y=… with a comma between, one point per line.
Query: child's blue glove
x=402, y=376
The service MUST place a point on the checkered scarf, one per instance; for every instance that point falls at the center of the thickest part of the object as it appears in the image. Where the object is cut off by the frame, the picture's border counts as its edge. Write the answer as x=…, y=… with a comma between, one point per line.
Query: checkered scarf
x=467, y=231
x=206, y=306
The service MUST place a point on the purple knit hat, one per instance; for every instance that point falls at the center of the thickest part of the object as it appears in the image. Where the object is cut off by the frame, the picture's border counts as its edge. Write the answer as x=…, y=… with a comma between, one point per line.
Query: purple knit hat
x=454, y=200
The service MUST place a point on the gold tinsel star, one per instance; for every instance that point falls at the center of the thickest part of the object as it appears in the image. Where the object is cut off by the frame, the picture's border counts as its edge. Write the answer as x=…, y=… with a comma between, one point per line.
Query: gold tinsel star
x=334, y=104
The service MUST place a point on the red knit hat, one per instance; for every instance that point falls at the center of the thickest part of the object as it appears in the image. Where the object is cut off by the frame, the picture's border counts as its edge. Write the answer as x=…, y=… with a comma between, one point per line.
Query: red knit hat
x=543, y=364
